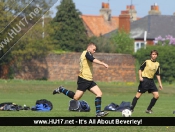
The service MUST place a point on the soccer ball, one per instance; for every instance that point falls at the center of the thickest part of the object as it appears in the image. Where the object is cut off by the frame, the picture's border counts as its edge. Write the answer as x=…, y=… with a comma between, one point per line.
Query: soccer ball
x=126, y=113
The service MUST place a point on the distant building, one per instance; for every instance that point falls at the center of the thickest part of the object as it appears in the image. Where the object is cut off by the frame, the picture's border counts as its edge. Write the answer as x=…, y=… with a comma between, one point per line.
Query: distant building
x=143, y=30
x=102, y=24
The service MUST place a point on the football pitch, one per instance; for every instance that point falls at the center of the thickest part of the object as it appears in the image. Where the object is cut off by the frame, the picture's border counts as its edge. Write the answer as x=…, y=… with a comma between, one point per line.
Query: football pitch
x=27, y=92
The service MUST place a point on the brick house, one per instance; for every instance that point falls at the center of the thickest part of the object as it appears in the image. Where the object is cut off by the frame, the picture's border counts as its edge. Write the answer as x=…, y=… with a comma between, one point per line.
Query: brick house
x=104, y=23
x=101, y=24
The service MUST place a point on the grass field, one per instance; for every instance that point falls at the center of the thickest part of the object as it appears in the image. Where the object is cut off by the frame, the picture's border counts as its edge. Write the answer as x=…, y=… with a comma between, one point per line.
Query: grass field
x=27, y=92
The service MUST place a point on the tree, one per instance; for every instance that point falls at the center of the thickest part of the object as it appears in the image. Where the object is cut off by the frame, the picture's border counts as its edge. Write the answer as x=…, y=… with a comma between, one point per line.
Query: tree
x=31, y=45
x=69, y=32
x=24, y=6
x=124, y=44
x=25, y=13
x=4, y=19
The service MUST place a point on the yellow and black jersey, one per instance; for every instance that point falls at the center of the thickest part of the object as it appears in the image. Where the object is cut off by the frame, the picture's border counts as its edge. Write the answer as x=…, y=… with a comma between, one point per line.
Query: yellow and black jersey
x=149, y=68
x=86, y=68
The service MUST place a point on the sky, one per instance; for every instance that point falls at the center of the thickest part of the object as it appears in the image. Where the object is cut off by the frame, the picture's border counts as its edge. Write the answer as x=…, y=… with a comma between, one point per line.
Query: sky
x=92, y=7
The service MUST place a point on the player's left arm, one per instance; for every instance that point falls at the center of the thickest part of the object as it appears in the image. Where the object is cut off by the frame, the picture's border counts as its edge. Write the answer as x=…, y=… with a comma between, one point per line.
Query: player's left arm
x=159, y=78
x=100, y=62
x=92, y=59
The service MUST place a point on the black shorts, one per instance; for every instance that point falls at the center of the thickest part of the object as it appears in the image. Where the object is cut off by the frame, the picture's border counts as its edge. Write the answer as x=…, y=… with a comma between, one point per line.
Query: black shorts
x=84, y=84
x=147, y=85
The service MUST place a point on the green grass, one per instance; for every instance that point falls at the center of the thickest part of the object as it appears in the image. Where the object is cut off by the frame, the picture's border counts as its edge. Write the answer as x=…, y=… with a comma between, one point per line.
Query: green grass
x=27, y=92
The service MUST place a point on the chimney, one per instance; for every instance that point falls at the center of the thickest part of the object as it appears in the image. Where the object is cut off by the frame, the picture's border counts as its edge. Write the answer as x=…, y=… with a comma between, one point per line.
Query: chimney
x=105, y=11
x=124, y=21
x=154, y=10
x=132, y=12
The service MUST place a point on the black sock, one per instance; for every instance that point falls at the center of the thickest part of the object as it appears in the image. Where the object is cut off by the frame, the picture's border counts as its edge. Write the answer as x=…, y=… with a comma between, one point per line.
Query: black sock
x=134, y=102
x=152, y=103
x=68, y=93
x=98, y=104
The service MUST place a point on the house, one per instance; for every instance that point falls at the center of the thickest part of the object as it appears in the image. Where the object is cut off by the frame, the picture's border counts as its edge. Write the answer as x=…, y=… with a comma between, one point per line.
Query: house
x=124, y=19
x=154, y=26
x=143, y=30
x=146, y=29
x=101, y=24
x=105, y=23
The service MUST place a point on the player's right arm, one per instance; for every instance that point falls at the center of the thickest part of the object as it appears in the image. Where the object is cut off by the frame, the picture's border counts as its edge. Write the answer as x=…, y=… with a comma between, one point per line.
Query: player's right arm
x=140, y=75
x=142, y=67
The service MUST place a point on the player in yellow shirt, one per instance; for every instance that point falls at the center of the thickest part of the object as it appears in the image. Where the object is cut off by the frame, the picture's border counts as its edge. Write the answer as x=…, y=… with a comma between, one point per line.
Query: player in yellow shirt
x=85, y=80
x=146, y=74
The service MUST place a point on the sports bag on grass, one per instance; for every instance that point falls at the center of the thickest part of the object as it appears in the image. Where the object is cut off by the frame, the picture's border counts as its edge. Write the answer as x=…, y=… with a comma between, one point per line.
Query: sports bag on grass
x=42, y=105
x=114, y=107
x=123, y=105
x=111, y=107
x=79, y=106
x=10, y=106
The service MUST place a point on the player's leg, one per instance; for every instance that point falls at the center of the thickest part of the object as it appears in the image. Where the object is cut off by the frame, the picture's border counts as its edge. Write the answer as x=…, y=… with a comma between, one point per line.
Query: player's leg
x=78, y=95
x=152, y=102
x=96, y=90
x=134, y=101
x=65, y=91
x=82, y=86
x=153, y=89
x=142, y=88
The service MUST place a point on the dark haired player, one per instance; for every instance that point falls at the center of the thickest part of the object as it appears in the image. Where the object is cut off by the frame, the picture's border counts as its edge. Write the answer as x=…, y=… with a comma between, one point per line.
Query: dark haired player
x=146, y=73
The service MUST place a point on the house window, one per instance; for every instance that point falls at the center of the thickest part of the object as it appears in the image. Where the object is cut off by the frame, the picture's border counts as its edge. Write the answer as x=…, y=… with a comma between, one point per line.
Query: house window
x=138, y=45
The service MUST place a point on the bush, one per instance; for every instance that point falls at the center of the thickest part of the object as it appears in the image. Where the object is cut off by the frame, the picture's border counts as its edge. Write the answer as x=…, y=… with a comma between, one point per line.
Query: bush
x=123, y=42
x=103, y=44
